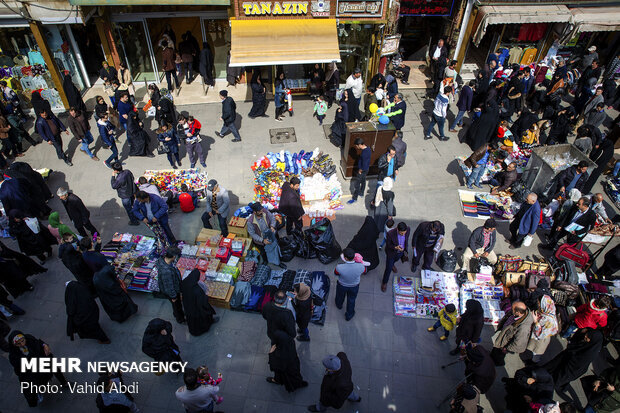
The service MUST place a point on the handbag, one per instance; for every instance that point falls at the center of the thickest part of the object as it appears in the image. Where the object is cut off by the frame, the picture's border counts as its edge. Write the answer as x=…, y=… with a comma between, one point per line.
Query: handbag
x=507, y=263
x=533, y=277
x=570, y=252
x=513, y=278
x=162, y=148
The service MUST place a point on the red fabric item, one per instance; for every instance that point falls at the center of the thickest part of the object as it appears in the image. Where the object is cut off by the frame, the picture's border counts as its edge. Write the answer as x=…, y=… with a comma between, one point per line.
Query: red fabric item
x=587, y=316
x=532, y=32
x=187, y=205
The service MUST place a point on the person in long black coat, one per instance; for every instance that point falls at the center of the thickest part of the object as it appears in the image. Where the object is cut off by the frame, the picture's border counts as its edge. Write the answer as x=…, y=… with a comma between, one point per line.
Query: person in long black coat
x=283, y=359
x=365, y=242
x=198, y=312
x=259, y=97
x=339, y=127
x=480, y=368
x=303, y=310
x=22, y=191
x=138, y=138
x=24, y=170
x=205, y=65
x=523, y=122
x=167, y=111
x=114, y=299
x=73, y=94
x=39, y=104
x=83, y=313
x=25, y=346
x=601, y=157
x=72, y=258
x=561, y=126
x=29, y=242
x=158, y=342
x=13, y=278
x=538, y=391
x=470, y=326
x=27, y=265
x=484, y=129
x=290, y=205
x=574, y=361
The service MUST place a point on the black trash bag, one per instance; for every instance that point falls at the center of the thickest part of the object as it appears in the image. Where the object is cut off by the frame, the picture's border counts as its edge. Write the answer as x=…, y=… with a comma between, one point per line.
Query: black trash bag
x=446, y=260
x=288, y=248
x=475, y=264
x=519, y=191
x=321, y=238
x=304, y=250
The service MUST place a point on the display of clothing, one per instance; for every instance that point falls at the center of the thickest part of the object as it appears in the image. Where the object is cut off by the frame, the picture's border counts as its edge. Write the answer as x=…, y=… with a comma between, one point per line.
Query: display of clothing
x=515, y=55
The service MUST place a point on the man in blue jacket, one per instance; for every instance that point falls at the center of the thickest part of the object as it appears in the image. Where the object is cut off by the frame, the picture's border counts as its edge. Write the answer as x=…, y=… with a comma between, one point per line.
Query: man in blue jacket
x=152, y=209
x=464, y=104
x=397, y=111
x=49, y=127
x=525, y=221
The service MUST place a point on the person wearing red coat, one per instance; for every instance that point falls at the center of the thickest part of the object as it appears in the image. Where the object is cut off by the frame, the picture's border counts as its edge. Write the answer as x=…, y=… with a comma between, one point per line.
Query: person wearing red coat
x=590, y=315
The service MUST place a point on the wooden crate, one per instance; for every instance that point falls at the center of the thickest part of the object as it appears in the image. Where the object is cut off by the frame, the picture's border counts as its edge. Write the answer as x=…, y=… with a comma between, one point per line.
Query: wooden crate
x=225, y=302
x=206, y=234
x=238, y=226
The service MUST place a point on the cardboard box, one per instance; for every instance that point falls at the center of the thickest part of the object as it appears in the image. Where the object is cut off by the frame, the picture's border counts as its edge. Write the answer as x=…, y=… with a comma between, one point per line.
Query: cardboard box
x=311, y=221
x=206, y=234
x=223, y=302
x=238, y=226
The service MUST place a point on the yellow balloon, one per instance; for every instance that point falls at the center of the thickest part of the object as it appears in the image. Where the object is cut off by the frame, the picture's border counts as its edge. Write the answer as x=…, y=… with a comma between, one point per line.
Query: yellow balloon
x=373, y=107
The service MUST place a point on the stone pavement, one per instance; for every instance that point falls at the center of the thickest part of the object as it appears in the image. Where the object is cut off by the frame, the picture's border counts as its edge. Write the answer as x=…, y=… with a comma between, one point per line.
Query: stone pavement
x=396, y=363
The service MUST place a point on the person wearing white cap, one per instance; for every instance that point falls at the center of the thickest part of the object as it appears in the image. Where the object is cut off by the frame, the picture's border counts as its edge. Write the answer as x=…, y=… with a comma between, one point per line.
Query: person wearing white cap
x=585, y=60
x=337, y=385
x=218, y=204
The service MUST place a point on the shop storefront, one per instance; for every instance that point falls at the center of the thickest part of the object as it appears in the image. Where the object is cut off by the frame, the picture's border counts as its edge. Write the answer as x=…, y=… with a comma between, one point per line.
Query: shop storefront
x=292, y=36
x=422, y=22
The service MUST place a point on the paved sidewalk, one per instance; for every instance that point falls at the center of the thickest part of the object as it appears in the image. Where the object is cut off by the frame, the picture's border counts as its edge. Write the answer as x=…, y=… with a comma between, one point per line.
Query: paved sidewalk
x=396, y=363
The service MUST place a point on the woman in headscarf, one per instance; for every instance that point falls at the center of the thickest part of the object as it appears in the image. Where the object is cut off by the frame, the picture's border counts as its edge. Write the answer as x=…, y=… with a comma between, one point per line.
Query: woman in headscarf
x=138, y=137
x=57, y=228
x=167, y=112
x=158, y=342
x=22, y=170
x=101, y=108
x=259, y=99
x=279, y=96
x=27, y=265
x=73, y=94
x=483, y=130
x=39, y=104
x=25, y=346
x=155, y=97
x=303, y=310
x=114, y=298
x=574, y=361
x=384, y=203
x=71, y=257
x=83, y=313
x=365, y=242
x=561, y=126
x=13, y=278
x=32, y=237
x=332, y=83
x=470, y=326
x=545, y=326
x=339, y=127
x=198, y=312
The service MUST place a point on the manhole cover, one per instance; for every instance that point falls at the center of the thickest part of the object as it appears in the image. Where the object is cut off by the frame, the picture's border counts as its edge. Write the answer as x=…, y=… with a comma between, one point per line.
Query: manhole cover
x=282, y=135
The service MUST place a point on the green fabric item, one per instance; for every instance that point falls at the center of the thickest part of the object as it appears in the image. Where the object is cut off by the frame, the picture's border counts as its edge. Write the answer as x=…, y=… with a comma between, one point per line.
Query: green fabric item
x=54, y=221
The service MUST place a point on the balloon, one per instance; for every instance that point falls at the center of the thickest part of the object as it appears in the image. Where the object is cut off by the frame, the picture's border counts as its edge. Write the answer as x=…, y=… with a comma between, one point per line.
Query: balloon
x=384, y=120
x=373, y=107
x=380, y=112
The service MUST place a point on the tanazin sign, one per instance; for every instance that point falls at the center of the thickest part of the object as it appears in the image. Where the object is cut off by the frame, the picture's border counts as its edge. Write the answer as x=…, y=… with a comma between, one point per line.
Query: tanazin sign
x=318, y=8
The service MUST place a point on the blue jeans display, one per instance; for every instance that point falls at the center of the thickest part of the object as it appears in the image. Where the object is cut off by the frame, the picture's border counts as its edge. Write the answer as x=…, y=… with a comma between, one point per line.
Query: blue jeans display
x=458, y=121
x=232, y=129
x=436, y=120
x=475, y=175
x=87, y=140
x=351, y=294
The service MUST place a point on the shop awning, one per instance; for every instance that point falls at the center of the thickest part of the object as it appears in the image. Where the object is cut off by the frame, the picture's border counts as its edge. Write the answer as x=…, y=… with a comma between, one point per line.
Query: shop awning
x=286, y=41
x=149, y=2
x=596, y=19
x=518, y=15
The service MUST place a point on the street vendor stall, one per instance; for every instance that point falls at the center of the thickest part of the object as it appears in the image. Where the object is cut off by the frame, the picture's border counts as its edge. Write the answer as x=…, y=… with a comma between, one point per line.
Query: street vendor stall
x=320, y=189
x=172, y=179
x=521, y=158
x=483, y=205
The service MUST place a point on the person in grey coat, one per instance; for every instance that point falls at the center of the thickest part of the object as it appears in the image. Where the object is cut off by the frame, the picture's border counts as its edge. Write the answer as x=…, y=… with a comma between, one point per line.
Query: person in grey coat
x=261, y=227
x=514, y=333
x=169, y=279
x=218, y=204
x=596, y=116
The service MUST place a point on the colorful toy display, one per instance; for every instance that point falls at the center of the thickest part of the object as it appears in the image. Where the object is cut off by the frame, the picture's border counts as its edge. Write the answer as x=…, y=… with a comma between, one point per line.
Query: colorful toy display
x=171, y=179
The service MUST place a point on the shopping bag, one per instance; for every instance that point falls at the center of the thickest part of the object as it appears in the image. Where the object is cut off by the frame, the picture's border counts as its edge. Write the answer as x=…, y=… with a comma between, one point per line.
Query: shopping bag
x=513, y=278
x=571, y=252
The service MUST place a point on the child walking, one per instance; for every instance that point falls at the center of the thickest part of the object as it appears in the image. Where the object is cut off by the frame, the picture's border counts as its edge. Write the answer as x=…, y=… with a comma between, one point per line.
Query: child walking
x=447, y=320
x=389, y=224
x=320, y=108
x=106, y=131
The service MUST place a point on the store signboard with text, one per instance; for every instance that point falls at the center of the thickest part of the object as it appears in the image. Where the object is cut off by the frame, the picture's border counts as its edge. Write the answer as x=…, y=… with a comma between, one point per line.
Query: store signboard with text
x=365, y=9
x=426, y=8
x=284, y=9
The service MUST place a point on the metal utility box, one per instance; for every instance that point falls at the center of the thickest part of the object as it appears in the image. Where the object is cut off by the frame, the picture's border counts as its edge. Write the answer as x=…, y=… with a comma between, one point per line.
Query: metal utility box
x=541, y=169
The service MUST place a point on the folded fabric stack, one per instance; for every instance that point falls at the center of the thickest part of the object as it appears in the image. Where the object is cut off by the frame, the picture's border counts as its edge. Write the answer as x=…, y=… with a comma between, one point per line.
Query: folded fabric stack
x=263, y=272
x=248, y=268
x=275, y=278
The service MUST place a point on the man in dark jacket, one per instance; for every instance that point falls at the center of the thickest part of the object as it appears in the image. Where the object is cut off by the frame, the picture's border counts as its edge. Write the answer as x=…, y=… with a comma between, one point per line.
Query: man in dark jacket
x=152, y=209
x=187, y=51
x=401, y=148
x=574, y=177
x=337, y=385
x=525, y=221
x=229, y=114
x=218, y=205
x=78, y=213
x=49, y=128
x=358, y=182
x=124, y=183
x=78, y=124
x=397, y=111
x=169, y=279
x=601, y=155
x=395, y=249
x=503, y=180
x=169, y=66
x=388, y=165
x=481, y=244
x=290, y=205
x=582, y=216
x=438, y=55
x=463, y=104
x=426, y=241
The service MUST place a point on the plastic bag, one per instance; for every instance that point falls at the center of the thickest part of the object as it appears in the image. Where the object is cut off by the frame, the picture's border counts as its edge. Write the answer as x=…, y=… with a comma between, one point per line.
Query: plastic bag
x=288, y=248
x=321, y=238
x=447, y=261
x=304, y=250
